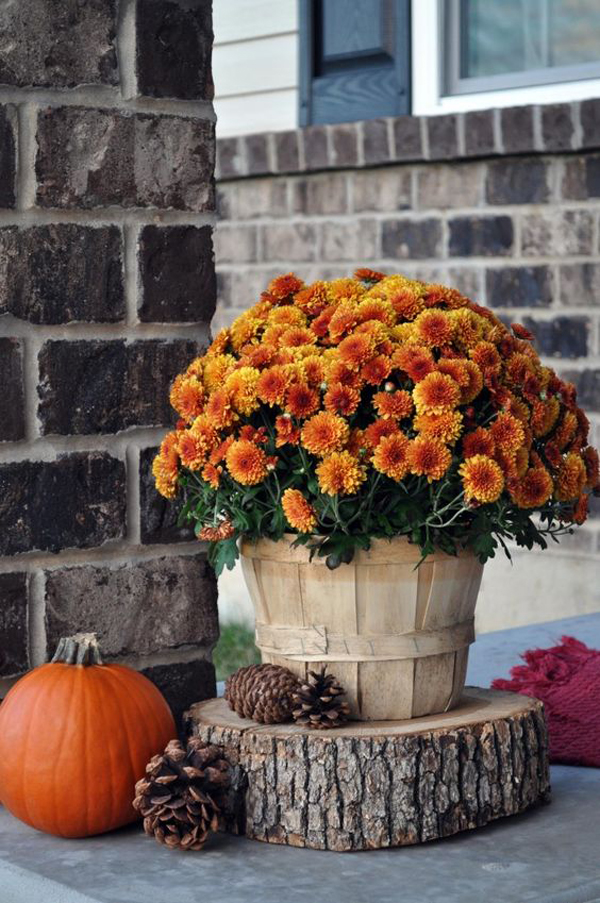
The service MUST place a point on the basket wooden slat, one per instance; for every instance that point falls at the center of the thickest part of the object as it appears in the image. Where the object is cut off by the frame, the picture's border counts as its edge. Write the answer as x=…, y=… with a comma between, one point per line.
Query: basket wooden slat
x=362, y=611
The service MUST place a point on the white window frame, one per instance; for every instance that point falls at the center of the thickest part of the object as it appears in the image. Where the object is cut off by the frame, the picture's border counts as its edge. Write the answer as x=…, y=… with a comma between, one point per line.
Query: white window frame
x=427, y=87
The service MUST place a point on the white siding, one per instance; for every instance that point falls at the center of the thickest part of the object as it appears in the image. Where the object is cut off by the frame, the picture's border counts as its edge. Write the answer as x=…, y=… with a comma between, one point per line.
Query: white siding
x=255, y=65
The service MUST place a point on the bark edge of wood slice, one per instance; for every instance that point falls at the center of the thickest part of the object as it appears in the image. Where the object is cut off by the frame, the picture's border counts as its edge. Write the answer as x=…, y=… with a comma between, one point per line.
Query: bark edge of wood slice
x=371, y=785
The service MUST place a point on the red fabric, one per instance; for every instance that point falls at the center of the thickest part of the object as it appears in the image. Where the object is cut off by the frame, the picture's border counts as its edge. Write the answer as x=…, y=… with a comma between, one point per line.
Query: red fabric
x=567, y=680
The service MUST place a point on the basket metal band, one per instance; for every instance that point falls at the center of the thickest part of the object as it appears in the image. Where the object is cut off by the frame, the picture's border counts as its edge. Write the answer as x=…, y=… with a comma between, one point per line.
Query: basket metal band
x=308, y=644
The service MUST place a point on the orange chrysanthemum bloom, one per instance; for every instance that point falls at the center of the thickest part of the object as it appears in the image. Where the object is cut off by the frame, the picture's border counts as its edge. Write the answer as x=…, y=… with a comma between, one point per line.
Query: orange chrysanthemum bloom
x=580, y=511
x=324, y=433
x=507, y=432
x=214, y=534
x=571, y=478
x=193, y=450
x=393, y=405
x=376, y=309
x=301, y=400
x=456, y=368
x=364, y=274
x=284, y=286
x=436, y=393
x=407, y=304
x=340, y=474
x=518, y=367
x=376, y=370
x=246, y=462
x=218, y=409
x=468, y=327
x=355, y=350
x=482, y=478
x=471, y=391
x=522, y=460
x=286, y=316
x=165, y=466
x=320, y=325
x=565, y=430
x=187, y=397
x=296, y=337
x=344, y=319
x=313, y=369
x=416, y=361
x=286, y=432
x=391, y=456
x=428, y=457
x=212, y=474
x=338, y=372
x=219, y=343
x=592, y=467
x=375, y=432
x=486, y=356
x=544, y=415
x=299, y=513
x=241, y=385
x=446, y=427
x=534, y=488
x=341, y=399
x=259, y=356
x=377, y=332
x=479, y=442
x=434, y=328
x=313, y=299
x=522, y=332
x=272, y=384
x=220, y=452
x=245, y=328
x=518, y=408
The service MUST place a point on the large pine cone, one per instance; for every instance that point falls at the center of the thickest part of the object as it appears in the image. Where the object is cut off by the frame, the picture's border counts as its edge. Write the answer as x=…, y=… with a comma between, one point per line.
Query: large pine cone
x=180, y=797
x=318, y=703
x=262, y=693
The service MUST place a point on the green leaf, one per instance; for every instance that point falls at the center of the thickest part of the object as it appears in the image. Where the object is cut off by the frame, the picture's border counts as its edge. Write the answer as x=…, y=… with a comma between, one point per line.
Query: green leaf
x=223, y=554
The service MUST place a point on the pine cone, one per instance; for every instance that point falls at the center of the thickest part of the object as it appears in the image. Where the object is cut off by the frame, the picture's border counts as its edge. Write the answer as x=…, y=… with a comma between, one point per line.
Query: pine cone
x=317, y=704
x=181, y=795
x=262, y=692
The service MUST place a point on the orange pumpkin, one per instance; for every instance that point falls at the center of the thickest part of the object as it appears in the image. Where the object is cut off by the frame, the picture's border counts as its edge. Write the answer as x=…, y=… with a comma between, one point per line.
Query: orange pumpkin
x=75, y=736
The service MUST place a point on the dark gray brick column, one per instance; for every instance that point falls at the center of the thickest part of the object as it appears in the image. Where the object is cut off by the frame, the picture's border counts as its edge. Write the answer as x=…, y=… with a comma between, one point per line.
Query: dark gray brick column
x=107, y=289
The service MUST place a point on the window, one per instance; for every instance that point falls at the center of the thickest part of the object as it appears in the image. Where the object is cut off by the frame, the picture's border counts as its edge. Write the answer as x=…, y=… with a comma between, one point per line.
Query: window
x=354, y=59
x=491, y=45
x=476, y=54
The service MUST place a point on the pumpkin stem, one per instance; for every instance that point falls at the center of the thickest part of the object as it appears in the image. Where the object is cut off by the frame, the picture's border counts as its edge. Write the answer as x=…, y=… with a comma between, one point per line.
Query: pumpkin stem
x=80, y=649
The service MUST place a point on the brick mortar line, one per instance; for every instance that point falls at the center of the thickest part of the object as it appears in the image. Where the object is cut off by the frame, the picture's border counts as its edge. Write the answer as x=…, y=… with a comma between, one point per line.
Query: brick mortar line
x=397, y=264
x=112, y=554
x=394, y=262
x=411, y=214
x=126, y=46
x=13, y=327
x=31, y=350
x=27, y=149
x=37, y=617
x=131, y=235
x=47, y=448
x=104, y=97
x=106, y=216
x=132, y=477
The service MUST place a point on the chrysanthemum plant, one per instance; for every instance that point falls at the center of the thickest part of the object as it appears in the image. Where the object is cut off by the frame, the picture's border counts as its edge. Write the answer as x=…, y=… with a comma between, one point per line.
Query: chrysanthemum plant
x=377, y=406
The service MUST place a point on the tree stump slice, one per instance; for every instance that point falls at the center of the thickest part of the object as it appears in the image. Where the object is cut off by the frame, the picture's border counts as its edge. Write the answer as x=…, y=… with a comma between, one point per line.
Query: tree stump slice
x=369, y=785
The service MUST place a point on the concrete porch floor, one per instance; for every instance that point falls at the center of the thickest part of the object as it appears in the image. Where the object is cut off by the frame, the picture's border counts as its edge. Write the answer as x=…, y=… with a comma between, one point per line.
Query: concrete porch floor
x=551, y=854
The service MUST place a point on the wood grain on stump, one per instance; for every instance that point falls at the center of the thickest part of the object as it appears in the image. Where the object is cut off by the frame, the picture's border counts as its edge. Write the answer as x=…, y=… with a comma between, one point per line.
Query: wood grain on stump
x=368, y=785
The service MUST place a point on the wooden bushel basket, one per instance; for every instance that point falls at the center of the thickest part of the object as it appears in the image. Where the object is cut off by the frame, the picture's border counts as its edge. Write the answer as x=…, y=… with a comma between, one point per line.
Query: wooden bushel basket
x=396, y=636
